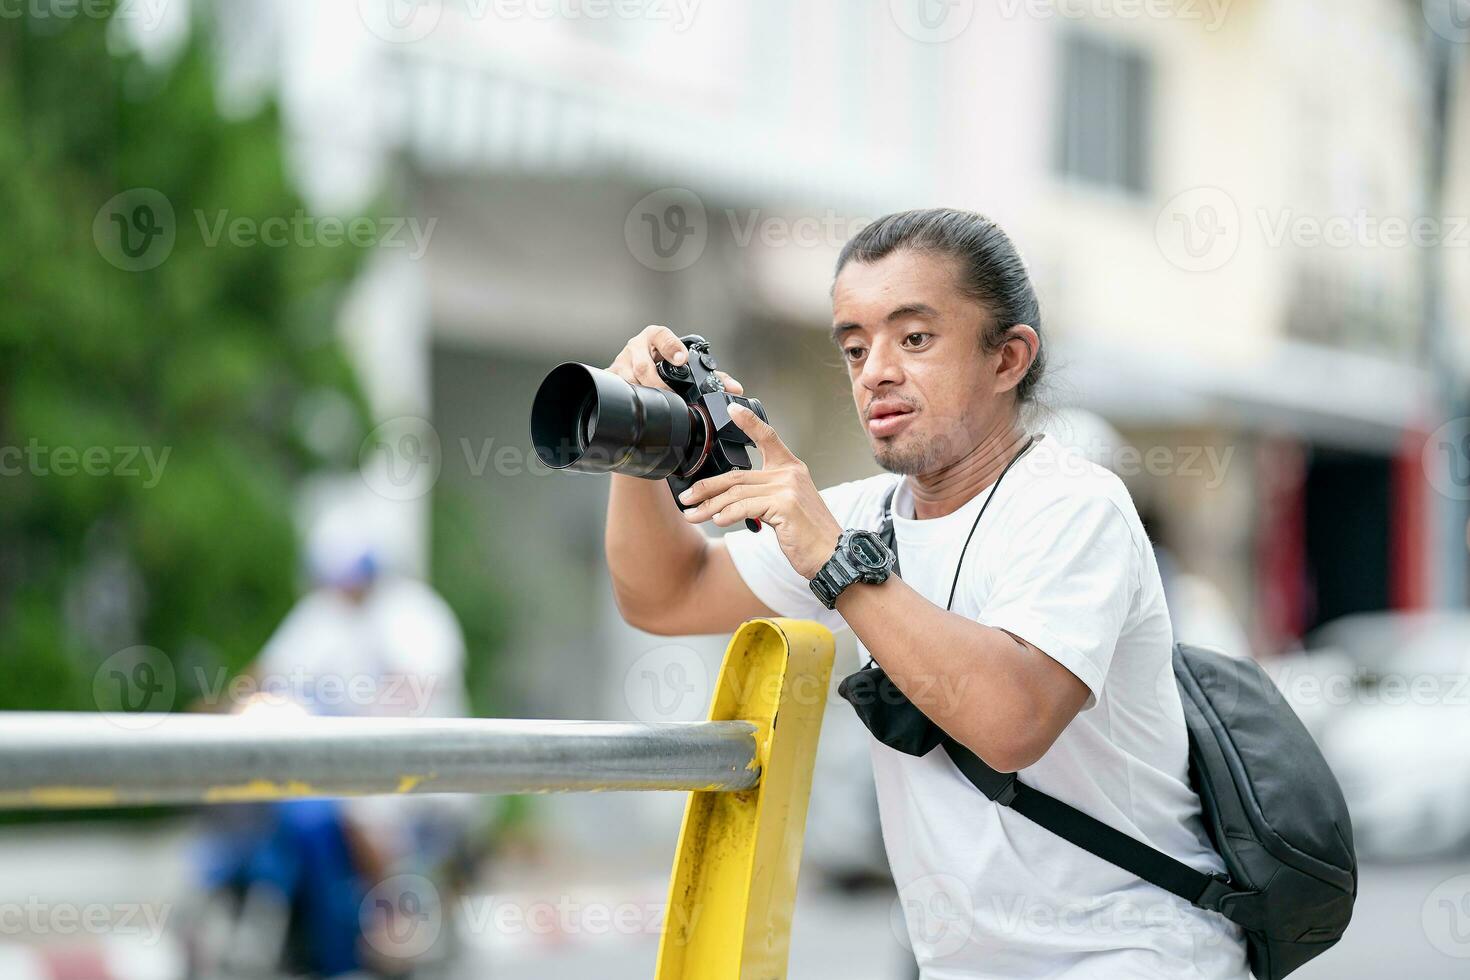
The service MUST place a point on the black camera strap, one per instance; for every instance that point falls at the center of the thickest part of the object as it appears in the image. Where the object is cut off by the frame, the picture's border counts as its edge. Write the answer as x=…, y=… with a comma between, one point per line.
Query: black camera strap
x=1063, y=819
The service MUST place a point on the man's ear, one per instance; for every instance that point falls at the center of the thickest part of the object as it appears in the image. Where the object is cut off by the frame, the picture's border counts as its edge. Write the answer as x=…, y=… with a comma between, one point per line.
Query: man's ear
x=1017, y=353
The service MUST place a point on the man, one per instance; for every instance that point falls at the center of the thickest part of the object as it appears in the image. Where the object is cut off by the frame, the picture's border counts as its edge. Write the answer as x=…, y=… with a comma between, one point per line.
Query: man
x=1037, y=637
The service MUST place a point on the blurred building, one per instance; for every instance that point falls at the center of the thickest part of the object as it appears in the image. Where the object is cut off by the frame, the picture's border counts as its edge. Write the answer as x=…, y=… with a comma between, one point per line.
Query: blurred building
x=1220, y=202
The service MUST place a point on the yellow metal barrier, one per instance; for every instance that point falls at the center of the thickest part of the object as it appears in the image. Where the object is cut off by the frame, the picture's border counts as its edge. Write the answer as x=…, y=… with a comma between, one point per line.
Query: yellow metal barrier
x=734, y=880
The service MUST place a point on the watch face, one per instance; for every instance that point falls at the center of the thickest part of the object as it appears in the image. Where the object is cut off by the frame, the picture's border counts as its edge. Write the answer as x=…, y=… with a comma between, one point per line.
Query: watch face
x=868, y=550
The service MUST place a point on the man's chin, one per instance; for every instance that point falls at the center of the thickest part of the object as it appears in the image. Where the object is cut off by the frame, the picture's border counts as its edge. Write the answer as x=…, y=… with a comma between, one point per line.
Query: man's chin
x=911, y=456
x=906, y=460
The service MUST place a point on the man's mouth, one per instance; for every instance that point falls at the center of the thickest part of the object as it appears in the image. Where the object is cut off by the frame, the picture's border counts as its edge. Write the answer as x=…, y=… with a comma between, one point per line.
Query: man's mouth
x=888, y=419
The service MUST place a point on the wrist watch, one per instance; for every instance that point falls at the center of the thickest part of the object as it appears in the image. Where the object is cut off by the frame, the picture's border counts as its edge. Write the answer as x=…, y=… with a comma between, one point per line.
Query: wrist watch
x=861, y=556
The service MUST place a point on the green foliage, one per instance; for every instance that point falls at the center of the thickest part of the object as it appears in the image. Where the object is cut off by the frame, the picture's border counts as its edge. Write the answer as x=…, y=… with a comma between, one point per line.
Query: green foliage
x=207, y=361
x=463, y=574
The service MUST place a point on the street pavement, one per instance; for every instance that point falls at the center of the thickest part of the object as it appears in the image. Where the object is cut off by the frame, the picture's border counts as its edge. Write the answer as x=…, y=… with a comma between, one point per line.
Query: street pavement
x=1412, y=921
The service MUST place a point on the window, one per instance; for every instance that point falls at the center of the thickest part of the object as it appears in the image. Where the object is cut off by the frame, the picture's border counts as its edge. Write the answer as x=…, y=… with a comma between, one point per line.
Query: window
x=1106, y=100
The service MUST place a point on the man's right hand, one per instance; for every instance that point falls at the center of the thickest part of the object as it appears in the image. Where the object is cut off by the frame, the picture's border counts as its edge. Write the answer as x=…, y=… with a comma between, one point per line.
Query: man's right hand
x=667, y=577
x=638, y=361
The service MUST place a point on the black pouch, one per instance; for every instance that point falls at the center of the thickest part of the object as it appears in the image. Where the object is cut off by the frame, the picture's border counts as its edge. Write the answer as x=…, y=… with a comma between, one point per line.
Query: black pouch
x=887, y=712
x=883, y=709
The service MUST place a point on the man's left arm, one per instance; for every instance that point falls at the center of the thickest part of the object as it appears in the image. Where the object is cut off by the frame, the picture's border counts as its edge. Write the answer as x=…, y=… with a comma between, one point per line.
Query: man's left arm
x=995, y=693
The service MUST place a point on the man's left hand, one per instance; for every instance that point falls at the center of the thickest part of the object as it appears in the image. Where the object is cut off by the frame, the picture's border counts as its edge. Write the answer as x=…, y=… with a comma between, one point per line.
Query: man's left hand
x=781, y=493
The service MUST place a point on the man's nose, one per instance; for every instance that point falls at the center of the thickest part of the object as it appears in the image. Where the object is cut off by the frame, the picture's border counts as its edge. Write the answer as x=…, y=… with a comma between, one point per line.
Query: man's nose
x=880, y=367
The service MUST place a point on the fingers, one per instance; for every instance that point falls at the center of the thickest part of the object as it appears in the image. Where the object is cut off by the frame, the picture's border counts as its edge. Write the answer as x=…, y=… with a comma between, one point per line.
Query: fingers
x=731, y=385
x=761, y=508
x=713, y=503
x=663, y=340
x=717, y=504
x=645, y=371
x=765, y=438
x=715, y=485
x=638, y=362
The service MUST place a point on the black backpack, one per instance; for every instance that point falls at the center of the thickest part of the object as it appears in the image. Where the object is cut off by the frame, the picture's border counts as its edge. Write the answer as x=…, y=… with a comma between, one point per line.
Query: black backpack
x=1270, y=804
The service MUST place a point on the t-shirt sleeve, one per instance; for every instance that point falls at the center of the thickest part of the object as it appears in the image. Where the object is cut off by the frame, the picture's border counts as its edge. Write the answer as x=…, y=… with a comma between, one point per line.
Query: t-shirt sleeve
x=762, y=564
x=1068, y=581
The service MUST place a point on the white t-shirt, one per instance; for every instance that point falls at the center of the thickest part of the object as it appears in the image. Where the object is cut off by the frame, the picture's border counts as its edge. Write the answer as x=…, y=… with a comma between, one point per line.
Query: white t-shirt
x=1061, y=560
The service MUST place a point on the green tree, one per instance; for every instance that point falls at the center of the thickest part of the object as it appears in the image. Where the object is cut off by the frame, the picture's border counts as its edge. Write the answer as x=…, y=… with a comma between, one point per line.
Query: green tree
x=218, y=362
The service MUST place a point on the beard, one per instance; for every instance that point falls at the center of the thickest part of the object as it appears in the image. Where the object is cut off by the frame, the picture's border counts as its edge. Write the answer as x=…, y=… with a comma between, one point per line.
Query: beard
x=916, y=455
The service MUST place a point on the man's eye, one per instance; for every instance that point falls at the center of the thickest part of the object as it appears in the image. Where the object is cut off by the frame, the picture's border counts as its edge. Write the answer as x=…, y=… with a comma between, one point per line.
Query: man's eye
x=852, y=353
x=917, y=339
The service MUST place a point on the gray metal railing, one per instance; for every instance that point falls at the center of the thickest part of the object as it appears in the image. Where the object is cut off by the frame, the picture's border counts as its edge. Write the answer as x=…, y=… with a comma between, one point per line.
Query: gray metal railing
x=63, y=760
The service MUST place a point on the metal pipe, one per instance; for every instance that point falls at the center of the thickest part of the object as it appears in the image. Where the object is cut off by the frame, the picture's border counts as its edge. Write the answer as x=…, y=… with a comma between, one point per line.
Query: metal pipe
x=70, y=760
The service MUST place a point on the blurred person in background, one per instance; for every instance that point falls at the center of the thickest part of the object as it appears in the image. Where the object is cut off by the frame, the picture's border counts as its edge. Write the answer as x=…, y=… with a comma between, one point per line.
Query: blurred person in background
x=292, y=877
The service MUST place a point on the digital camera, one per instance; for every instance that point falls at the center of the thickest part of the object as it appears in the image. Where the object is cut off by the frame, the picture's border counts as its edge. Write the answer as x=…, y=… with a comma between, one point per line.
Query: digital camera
x=590, y=420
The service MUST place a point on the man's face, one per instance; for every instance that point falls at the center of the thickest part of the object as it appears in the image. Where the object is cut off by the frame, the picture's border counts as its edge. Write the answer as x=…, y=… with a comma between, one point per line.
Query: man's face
x=925, y=390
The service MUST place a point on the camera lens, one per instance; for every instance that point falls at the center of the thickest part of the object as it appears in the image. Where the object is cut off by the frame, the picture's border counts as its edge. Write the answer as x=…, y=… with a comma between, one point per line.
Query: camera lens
x=590, y=420
x=587, y=422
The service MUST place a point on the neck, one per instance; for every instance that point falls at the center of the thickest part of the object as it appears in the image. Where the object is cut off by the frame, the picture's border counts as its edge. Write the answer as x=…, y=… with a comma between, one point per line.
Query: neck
x=947, y=489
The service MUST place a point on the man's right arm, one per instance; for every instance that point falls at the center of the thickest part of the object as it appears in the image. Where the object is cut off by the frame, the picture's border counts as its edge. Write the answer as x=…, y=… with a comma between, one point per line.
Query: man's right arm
x=668, y=577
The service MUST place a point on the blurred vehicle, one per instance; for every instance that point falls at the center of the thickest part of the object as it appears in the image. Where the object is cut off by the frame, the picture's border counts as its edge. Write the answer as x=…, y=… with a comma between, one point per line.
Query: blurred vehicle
x=1387, y=696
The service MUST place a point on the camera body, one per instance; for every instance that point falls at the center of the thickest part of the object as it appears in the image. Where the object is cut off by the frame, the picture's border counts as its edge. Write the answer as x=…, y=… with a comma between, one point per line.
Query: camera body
x=592, y=421
x=725, y=447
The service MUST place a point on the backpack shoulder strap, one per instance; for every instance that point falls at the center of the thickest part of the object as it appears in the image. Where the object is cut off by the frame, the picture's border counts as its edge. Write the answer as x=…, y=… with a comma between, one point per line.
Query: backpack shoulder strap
x=885, y=524
x=1093, y=836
